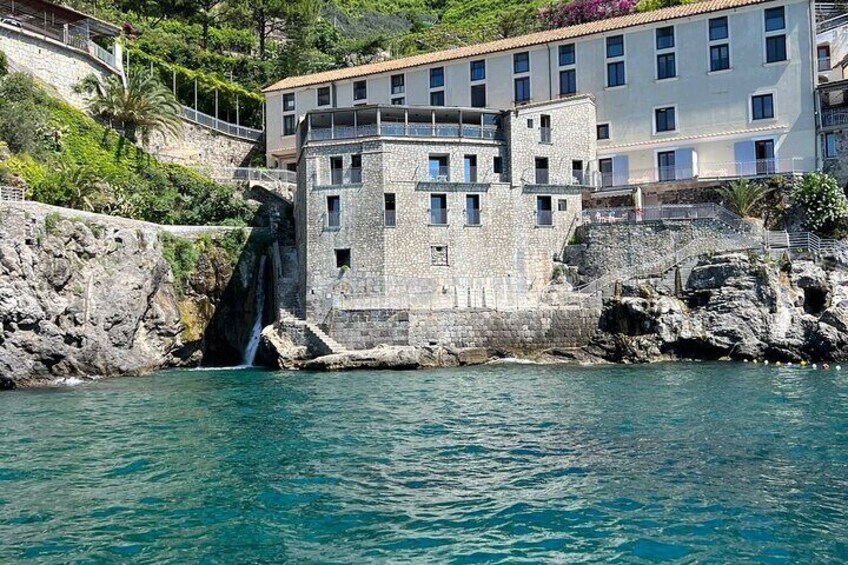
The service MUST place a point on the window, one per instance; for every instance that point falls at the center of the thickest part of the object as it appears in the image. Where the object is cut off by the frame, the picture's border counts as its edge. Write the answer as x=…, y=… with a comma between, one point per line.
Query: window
x=775, y=19
x=603, y=131
x=529, y=124
x=544, y=211
x=334, y=212
x=718, y=28
x=764, y=154
x=360, y=90
x=665, y=66
x=439, y=255
x=775, y=48
x=562, y=205
x=762, y=107
x=438, y=209
x=566, y=55
x=398, y=84
x=665, y=37
x=324, y=96
x=288, y=102
x=469, y=168
x=439, y=168
x=437, y=77
x=567, y=82
x=719, y=57
x=390, y=208
x=829, y=145
x=615, y=46
x=542, y=170
x=472, y=209
x=478, y=96
x=289, y=125
x=356, y=169
x=605, y=168
x=577, y=176
x=521, y=63
x=398, y=101
x=342, y=258
x=437, y=98
x=478, y=70
x=336, y=171
x=522, y=89
x=664, y=119
x=615, y=74
x=665, y=166
x=545, y=129
x=497, y=166
x=823, y=56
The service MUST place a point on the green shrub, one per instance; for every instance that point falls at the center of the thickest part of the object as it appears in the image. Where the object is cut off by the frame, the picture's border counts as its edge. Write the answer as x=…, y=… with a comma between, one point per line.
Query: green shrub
x=4, y=65
x=182, y=256
x=742, y=197
x=821, y=200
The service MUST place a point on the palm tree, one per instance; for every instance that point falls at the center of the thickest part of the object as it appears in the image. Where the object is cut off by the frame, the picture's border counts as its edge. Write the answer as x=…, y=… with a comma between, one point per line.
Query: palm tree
x=742, y=197
x=145, y=105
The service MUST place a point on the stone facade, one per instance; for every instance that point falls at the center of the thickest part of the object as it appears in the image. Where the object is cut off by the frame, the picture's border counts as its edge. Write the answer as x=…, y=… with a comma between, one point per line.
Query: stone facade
x=52, y=63
x=521, y=331
x=197, y=146
x=838, y=166
x=502, y=258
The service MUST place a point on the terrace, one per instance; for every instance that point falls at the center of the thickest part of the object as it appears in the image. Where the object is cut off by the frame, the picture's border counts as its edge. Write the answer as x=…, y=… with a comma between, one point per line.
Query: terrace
x=395, y=121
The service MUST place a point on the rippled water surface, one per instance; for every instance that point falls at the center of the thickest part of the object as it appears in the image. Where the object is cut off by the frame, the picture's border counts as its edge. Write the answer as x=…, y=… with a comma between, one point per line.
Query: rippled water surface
x=714, y=463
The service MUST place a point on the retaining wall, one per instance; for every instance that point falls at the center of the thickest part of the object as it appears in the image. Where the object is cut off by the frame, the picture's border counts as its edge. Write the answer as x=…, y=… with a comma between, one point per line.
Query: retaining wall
x=520, y=331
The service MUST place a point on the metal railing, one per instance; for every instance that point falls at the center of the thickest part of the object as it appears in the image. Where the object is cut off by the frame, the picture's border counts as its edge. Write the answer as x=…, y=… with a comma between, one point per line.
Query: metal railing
x=836, y=118
x=244, y=174
x=544, y=218
x=12, y=193
x=472, y=217
x=707, y=211
x=446, y=131
x=832, y=23
x=807, y=241
x=102, y=54
x=241, y=132
x=544, y=135
x=390, y=218
x=438, y=216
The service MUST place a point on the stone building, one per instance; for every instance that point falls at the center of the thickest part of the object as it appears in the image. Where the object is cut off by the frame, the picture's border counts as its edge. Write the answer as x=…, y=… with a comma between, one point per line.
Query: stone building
x=430, y=207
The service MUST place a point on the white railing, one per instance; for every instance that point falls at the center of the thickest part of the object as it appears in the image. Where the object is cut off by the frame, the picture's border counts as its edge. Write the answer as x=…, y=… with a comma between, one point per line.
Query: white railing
x=102, y=54
x=832, y=23
x=807, y=241
x=241, y=132
x=254, y=174
x=704, y=171
x=690, y=212
x=12, y=193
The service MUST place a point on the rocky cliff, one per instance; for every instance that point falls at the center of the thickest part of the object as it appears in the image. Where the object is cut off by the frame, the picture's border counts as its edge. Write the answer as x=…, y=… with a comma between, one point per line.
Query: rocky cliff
x=82, y=297
x=734, y=305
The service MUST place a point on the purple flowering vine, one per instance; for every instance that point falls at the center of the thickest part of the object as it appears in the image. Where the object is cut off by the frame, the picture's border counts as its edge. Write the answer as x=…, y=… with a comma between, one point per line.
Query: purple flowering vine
x=581, y=11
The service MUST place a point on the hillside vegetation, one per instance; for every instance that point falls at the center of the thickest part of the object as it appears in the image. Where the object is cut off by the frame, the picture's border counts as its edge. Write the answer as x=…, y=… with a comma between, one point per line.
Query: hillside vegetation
x=68, y=159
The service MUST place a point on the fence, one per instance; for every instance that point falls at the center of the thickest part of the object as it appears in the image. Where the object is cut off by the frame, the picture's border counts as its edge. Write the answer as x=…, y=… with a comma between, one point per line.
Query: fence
x=12, y=193
x=797, y=241
x=212, y=122
x=669, y=212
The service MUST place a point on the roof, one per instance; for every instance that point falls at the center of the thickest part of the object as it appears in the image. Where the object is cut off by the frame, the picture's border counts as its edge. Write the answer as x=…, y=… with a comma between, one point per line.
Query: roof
x=34, y=13
x=539, y=38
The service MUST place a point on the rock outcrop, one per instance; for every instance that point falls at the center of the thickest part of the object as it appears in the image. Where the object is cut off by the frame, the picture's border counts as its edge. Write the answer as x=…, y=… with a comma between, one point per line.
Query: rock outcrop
x=83, y=298
x=399, y=357
x=733, y=305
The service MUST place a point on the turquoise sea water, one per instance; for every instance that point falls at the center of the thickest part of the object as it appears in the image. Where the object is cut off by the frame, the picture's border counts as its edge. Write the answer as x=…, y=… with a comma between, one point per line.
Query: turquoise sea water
x=688, y=463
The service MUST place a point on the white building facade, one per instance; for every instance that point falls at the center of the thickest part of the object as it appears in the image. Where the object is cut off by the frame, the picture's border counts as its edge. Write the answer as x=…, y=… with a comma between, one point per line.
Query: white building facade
x=715, y=89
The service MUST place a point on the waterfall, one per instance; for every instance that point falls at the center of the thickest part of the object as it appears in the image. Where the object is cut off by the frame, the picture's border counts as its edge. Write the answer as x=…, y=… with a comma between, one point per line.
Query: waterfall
x=256, y=331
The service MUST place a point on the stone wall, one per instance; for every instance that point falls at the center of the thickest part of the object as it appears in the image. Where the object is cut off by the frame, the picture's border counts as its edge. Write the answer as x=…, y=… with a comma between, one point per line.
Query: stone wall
x=607, y=247
x=197, y=146
x=52, y=63
x=838, y=166
x=519, y=331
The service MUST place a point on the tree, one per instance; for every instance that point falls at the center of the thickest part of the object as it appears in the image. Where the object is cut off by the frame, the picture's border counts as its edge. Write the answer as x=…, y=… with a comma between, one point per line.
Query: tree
x=139, y=109
x=74, y=186
x=270, y=17
x=582, y=11
x=742, y=197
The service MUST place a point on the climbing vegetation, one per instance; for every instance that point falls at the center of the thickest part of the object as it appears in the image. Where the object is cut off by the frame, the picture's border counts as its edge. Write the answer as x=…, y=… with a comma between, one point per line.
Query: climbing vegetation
x=822, y=201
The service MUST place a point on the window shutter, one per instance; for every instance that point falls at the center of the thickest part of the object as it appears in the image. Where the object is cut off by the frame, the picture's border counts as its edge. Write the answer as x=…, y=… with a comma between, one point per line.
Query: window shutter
x=745, y=158
x=684, y=163
x=620, y=172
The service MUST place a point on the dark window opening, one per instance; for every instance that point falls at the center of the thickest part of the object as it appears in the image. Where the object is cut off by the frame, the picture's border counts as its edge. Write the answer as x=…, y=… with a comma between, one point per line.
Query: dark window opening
x=665, y=166
x=398, y=84
x=605, y=168
x=522, y=89
x=542, y=176
x=603, y=131
x=478, y=70
x=521, y=63
x=562, y=205
x=360, y=90
x=437, y=77
x=288, y=102
x=615, y=46
x=545, y=129
x=478, y=96
x=343, y=258
x=775, y=48
x=719, y=57
x=324, y=96
x=439, y=168
x=665, y=37
x=390, y=207
x=356, y=169
x=718, y=28
x=469, y=165
x=665, y=119
x=336, y=171
x=544, y=211
x=289, y=125
x=615, y=74
x=567, y=82
x=439, y=209
x=334, y=212
x=666, y=67
x=437, y=98
x=762, y=107
x=472, y=209
x=566, y=55
x=775, y=19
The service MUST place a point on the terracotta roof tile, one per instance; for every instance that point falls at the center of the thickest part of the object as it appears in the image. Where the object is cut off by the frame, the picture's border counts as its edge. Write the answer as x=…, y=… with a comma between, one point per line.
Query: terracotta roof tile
x=519, y=42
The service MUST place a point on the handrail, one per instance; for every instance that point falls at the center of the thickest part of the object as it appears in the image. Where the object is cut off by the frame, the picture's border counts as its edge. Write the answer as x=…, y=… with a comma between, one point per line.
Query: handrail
x=832, y=23
x=205, y=120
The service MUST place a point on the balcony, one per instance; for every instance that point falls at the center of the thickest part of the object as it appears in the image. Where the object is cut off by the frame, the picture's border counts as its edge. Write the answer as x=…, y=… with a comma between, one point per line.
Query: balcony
x=834, y=117
x=709, y=171
x=402, y=122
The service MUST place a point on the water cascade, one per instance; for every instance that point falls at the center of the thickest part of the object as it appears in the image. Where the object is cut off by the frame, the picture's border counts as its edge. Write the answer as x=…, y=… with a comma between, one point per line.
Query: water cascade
x=256, y=331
